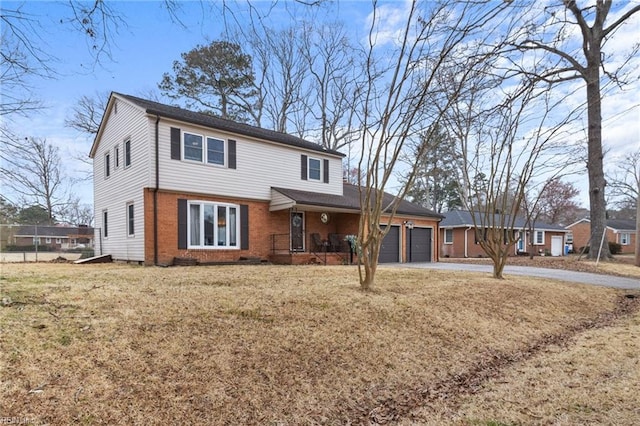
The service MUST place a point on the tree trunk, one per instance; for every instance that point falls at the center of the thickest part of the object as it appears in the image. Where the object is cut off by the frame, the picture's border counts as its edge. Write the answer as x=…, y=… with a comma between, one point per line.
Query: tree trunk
x=597, y=203
x=498, y=267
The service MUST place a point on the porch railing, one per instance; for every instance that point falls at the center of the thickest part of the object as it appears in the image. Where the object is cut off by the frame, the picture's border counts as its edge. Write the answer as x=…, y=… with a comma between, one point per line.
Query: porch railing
x=316, y=244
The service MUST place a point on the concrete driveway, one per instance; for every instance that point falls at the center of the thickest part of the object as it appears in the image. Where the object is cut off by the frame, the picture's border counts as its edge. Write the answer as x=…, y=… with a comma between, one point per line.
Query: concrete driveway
x=556, y=274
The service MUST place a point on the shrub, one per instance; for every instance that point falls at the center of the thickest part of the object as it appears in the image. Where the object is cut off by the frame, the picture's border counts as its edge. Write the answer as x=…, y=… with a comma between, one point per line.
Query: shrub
x=615, y=248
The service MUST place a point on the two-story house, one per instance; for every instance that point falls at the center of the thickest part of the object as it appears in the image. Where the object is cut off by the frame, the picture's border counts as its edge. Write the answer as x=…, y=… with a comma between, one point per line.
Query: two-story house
x=171, y=183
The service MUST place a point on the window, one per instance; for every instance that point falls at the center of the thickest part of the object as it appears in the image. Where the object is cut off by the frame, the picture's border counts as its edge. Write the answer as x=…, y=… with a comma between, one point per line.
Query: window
x=215, y=151
x=130, y=220
x=213, y=225
x=569, y=237
x=625, y=237
x=116, y=155
x=448, y=236
x=192, y=147
x=315, y=171
x=107, y=165
x=48, y=240
x=105, y=224
x=538, y=238
x=127, y=153
x=36, y=240
x=58, y=241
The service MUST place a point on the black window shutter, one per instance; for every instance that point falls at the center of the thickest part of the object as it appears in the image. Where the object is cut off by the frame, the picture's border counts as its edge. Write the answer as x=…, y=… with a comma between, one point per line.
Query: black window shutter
x=303, y=165
x=244, y=227
x=175, y=143
x=231, y=146
x=182, y=223
x=326, y=171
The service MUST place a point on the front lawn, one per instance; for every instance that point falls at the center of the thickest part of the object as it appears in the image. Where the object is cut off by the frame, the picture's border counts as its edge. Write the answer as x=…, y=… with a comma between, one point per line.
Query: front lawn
x=120, y=344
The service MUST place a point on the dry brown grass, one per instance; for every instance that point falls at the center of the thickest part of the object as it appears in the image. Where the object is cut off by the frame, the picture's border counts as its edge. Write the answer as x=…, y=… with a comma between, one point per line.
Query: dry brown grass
x=118, y=344
x=595, y=380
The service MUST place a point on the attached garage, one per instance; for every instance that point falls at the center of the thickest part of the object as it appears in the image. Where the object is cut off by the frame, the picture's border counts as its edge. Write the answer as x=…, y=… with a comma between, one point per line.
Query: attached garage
x=418, y=247
x=390, y=249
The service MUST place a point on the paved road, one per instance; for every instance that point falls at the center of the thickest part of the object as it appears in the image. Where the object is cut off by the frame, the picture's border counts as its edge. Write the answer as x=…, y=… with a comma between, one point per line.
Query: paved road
x=556, y=274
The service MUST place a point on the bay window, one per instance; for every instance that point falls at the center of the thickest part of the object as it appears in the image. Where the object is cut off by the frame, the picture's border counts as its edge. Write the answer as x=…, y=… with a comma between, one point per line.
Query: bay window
x=213, y=225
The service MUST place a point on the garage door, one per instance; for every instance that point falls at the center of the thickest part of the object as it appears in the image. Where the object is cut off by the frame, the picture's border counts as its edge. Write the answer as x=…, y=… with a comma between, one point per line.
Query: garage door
x=390, y=250
x=419, y=245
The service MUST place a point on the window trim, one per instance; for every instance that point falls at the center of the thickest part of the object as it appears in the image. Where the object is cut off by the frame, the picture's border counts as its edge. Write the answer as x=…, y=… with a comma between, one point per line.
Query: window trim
x=127, y=153
x=309, y=177
x=228, y=229
x=535, y=238
x=131, y=217
x=205, y=149
x=107, y=164
x=105, y=224
x=627, y=240
x=224, y=152
x=116, y=157
x=448, y=241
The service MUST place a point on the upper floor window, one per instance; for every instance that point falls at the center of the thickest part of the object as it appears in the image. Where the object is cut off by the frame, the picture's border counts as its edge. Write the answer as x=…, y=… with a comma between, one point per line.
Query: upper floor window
x=624, y=238
x=215, y=151
x=116, y=155
x=192, y=147
x=448, y=236
x=127, y=153
x=107, y=165
x=315, y=169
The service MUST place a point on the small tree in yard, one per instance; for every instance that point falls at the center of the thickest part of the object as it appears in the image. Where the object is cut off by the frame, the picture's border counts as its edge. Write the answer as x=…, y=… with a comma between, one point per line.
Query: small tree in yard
x=397, y=104
x=506, y=142
x=625, y=182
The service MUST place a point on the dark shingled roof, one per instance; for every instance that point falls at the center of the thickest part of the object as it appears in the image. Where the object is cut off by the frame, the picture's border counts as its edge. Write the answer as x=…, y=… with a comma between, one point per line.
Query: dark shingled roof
x=351, y=200
x=462, y=218
x=53, y=231
x=622, y=224
x=207, y=120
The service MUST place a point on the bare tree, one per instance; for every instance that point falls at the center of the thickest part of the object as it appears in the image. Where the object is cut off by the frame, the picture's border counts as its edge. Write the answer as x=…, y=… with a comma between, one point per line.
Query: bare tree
x=396, y=102
x=625, y=182
x=87, y=113
x=32, y=169
x=333, y=63
x=551, y=34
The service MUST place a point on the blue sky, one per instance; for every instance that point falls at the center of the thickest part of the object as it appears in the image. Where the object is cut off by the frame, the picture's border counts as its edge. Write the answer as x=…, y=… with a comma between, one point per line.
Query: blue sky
x=148, y=42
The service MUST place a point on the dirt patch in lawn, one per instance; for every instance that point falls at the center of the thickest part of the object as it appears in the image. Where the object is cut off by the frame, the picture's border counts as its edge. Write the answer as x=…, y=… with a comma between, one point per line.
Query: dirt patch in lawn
x=119, y=344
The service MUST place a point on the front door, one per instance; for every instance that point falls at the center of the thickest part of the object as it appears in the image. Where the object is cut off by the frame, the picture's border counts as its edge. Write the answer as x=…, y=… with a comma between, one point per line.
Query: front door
x=297, y=231
x=520, y=246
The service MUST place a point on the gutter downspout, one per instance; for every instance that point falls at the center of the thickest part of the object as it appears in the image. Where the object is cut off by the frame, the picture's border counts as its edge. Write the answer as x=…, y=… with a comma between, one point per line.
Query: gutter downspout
x=466, y=242
x=155, y=194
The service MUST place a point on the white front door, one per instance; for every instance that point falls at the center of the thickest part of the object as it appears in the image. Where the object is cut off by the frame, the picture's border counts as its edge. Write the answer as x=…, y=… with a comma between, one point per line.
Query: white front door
x=556, y=246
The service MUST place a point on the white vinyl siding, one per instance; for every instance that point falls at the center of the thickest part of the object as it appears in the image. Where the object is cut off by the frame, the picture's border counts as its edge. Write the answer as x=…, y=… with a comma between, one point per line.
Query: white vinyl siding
x=127, y=184
x=260, y=166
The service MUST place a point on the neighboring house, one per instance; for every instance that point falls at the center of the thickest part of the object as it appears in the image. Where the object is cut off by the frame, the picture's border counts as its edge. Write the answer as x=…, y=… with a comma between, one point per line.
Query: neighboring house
x=460, y=239
x=172, y=184
x=54, y=237
x=619, y=231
